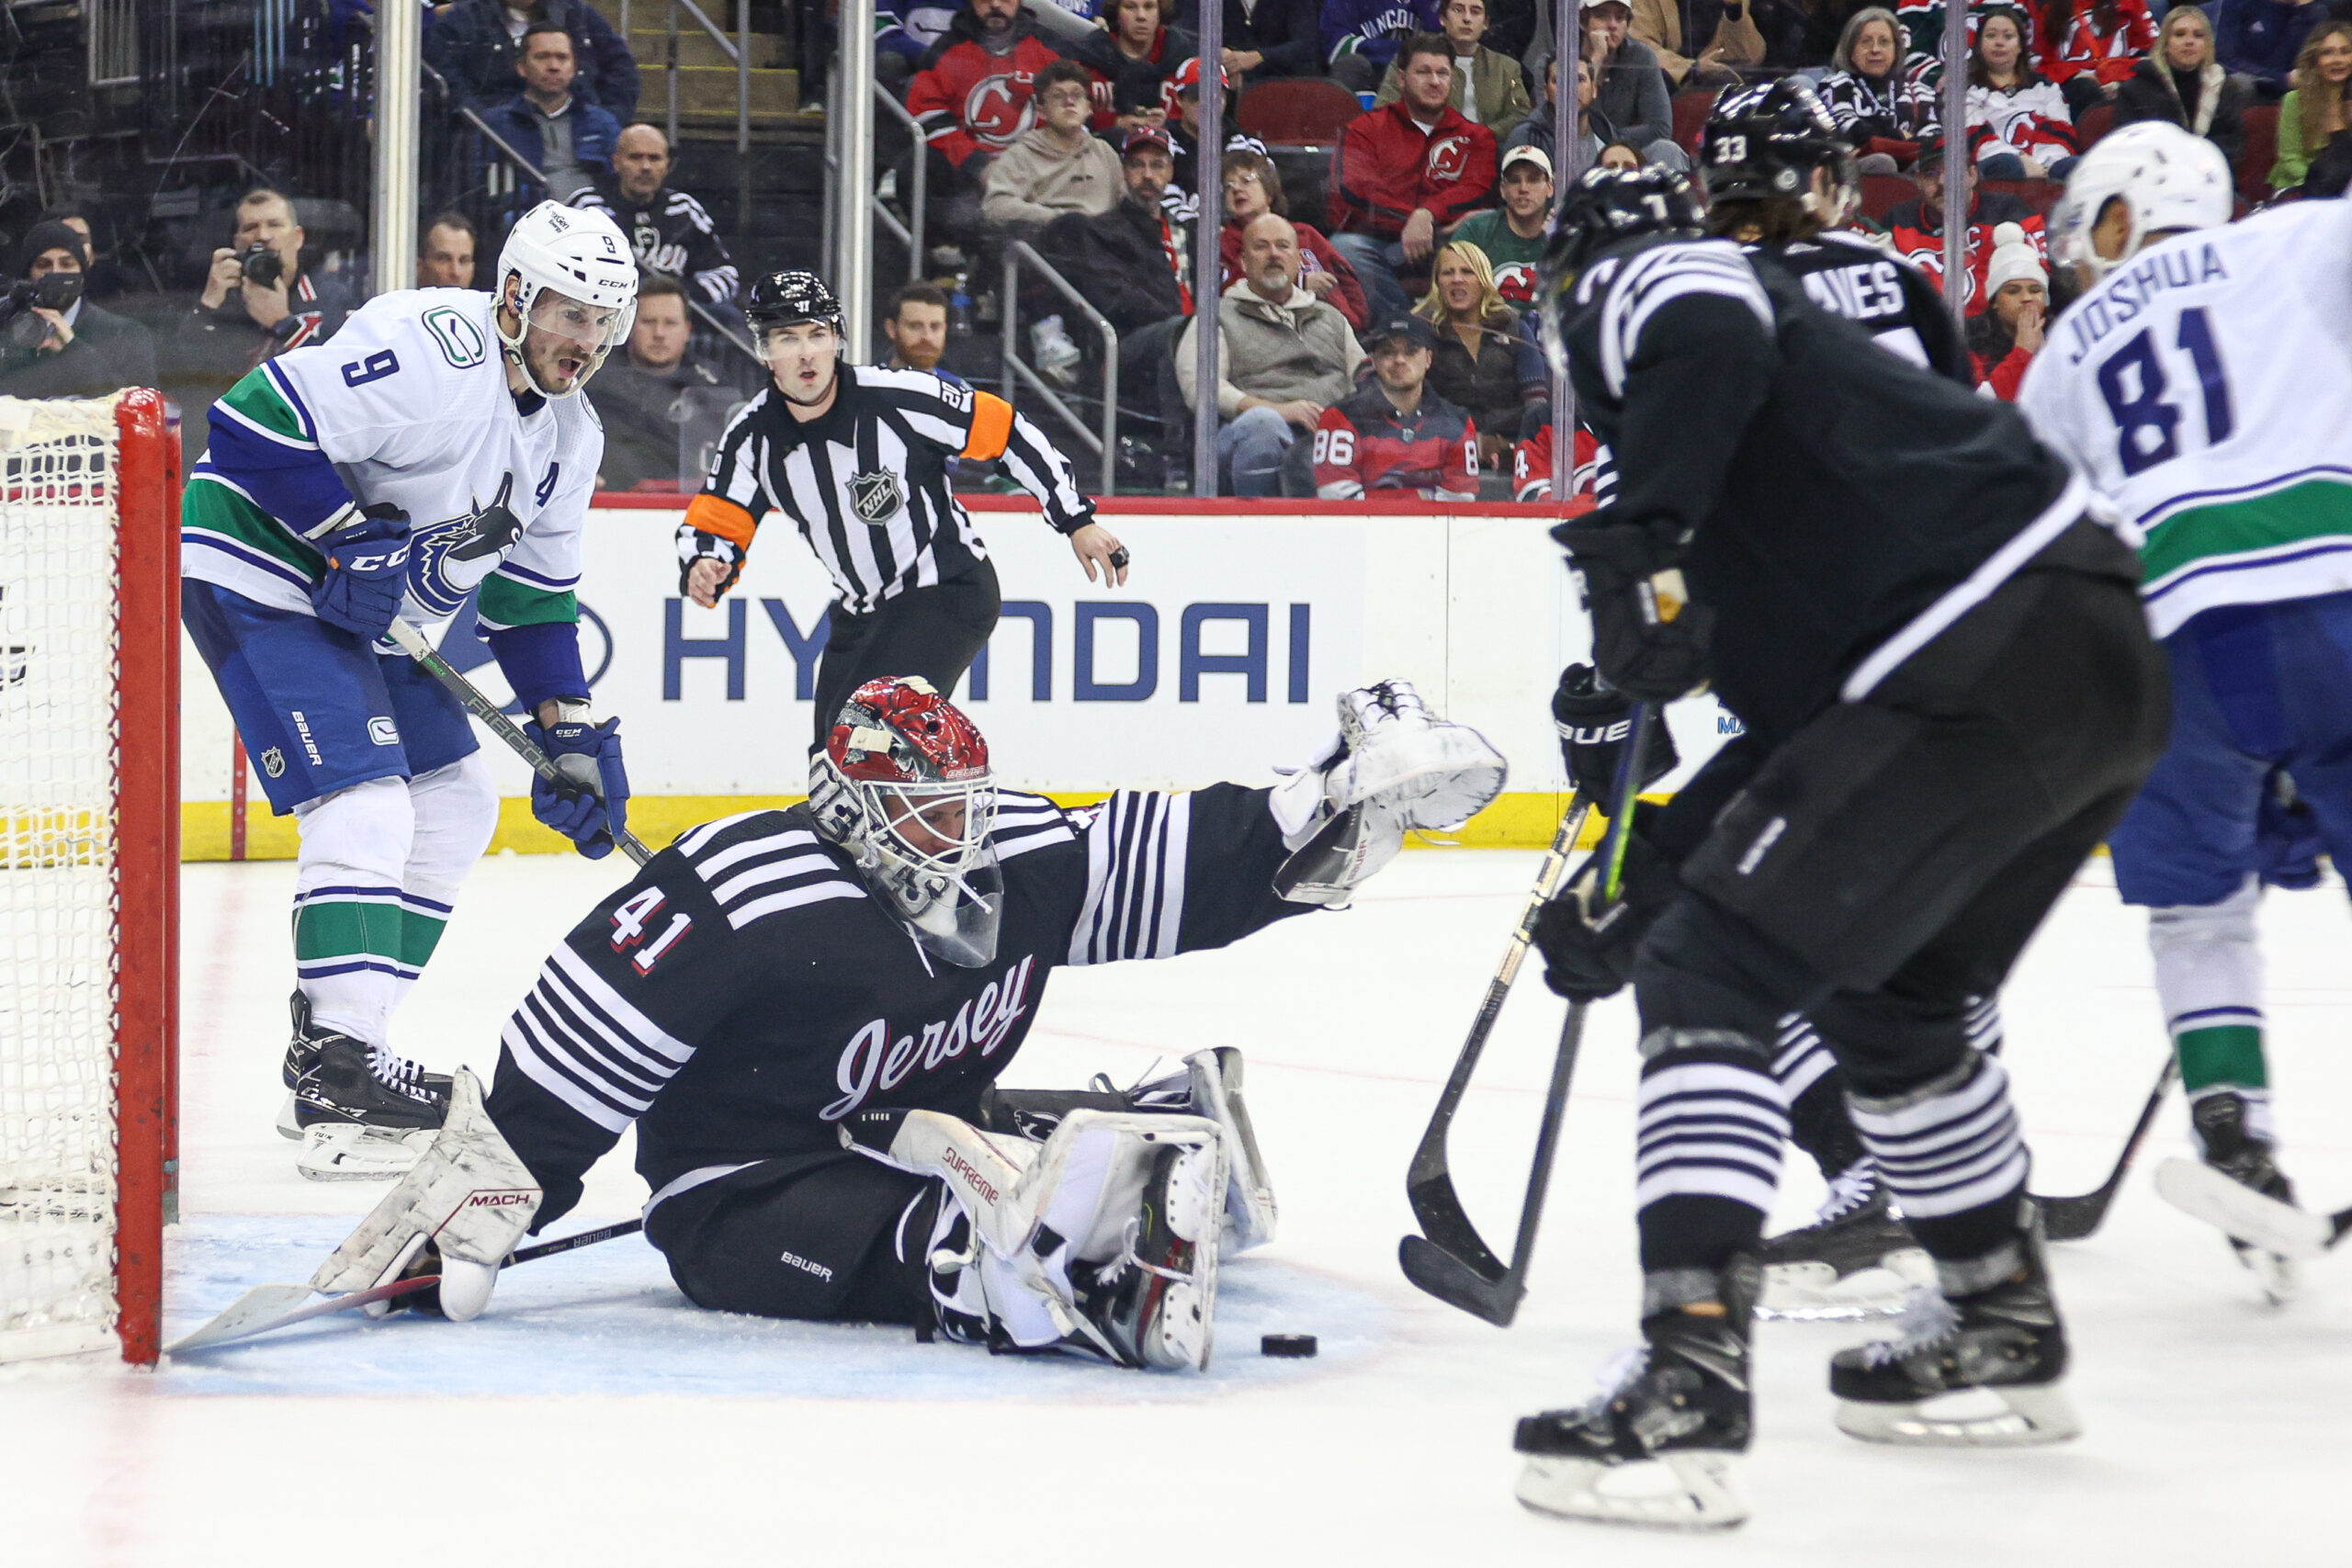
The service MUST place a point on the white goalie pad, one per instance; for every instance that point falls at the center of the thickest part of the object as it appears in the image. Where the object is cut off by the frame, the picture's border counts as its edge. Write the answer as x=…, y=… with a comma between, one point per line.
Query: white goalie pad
x=468, y=1194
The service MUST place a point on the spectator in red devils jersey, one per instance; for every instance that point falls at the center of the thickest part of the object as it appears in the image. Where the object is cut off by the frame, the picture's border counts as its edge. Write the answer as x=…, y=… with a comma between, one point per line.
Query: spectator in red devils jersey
x=1132, y=57
x=2002, y=340
x=971, y=97
x=1531, y=470
x=1395, y=435
x=1915, y=228
x=1513, y=236
x=1253, y=187
x=1404, y=172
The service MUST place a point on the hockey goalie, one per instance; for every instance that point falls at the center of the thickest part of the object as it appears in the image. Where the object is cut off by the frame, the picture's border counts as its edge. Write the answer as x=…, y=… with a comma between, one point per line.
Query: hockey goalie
x=805, y=1014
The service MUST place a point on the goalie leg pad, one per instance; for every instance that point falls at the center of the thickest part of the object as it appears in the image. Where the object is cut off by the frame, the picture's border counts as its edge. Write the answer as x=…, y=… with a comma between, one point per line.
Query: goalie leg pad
x=470, y=1195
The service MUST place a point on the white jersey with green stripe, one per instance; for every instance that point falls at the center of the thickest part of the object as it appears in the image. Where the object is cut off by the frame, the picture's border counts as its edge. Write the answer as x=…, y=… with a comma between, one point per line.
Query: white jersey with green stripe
x=2205, y=386
x=408, y=404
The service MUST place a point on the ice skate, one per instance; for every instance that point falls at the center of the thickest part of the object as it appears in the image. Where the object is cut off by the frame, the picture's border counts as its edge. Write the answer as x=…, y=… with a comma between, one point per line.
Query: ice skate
x=1653, y=1447
x=2228, y=1140
x=303, y=1060
x=1857, y=1259
x=364, y=1113
x=1981, y=1369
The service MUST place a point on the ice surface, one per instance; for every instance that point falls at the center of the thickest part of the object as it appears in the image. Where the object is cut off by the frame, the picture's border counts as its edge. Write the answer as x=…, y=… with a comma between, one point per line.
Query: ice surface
x=593, y=1417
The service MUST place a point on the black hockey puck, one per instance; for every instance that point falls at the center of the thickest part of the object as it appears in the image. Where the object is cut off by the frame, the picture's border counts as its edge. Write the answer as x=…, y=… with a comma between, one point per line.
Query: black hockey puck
x=1286, y=1344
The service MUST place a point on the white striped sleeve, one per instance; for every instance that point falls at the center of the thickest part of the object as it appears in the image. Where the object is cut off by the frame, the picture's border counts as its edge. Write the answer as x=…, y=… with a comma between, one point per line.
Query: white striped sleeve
x=587, y=1045
x=1655, y=279
x=1135, y=847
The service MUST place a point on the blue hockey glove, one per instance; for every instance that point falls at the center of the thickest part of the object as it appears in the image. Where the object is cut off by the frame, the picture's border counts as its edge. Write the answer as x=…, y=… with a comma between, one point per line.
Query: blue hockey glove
x=593, y=803
x=367, y=561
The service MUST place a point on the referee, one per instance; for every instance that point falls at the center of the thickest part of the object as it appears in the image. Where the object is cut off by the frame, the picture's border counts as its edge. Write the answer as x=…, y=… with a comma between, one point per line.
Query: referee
x=856, y=457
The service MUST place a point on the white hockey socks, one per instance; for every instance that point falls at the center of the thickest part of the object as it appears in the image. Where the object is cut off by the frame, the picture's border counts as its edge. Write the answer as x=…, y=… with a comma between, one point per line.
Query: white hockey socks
x=2209, y=978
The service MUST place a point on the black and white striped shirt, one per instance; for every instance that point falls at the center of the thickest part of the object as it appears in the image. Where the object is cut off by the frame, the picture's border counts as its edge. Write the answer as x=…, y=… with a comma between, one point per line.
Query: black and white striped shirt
x=671, y=233
x=866, y=484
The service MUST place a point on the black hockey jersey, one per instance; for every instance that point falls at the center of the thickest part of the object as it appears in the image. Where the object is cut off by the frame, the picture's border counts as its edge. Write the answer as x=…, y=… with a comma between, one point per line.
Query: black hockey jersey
x=1837, y=507
x=745, y=992
x=1883, y=294
x=671, y=233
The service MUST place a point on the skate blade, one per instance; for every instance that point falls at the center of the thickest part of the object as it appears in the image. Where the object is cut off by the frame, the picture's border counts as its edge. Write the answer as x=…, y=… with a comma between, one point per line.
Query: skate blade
x=2279, y=1277
x=348, y=1152
x=1691, y=1491
x=288, y=1125
x=1981, y=1417
x=1813, y=1293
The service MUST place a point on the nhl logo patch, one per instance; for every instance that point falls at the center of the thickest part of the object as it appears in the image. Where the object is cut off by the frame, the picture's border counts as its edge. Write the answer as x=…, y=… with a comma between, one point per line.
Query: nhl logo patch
x=876, y=497
x=273, y=763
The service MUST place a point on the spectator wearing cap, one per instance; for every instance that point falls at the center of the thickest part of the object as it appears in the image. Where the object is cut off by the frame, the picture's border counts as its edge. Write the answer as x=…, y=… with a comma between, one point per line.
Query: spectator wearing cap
x=2181, y=82
x=1184, y=199
x=1881, y=110
x=1361, y=37
x=1512, y=236
x=1698, y=42
x=473, y=45
x=1283, y=356
x=1056, y=166
x=61, y=345
x=1396, y=435
x=2262, y=38
x=1253, y=187
x=446, y=251
x=1486, y=357
x=971, y=98
x=1129, y=262
x=1488, y=87
x=1915, y=228
x=559, y=131
x=1403, y=173
x=2017, y=118
x=2004, y=338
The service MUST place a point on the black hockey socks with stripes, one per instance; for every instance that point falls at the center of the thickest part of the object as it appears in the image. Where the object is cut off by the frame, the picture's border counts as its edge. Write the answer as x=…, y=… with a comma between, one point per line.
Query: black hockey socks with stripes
x=1952, y=1154
x=1808, y=1076
x=1711, y=1123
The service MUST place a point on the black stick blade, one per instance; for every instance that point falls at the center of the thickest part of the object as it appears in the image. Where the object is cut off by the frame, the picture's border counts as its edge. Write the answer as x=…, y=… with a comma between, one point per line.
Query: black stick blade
x=2073, y=1218
x=1457, y=1284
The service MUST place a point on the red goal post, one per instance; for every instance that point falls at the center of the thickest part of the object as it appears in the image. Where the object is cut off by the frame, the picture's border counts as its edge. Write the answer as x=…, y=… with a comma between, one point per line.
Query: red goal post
x=89, y=871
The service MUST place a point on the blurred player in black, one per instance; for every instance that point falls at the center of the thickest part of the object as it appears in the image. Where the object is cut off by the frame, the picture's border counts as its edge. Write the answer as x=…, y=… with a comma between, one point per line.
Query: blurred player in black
x=1949, y=696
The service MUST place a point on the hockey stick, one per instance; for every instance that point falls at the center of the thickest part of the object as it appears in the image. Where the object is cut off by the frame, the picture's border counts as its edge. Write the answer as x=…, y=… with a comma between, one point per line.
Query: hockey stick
x=265, y=1307
x=1451, y=1261
x=2254, y=1218
x=2073, y=1218
x=412, y=643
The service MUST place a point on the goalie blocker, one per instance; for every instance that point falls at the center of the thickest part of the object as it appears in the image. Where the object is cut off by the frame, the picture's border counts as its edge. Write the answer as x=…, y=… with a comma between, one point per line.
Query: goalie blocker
x=804, y=1014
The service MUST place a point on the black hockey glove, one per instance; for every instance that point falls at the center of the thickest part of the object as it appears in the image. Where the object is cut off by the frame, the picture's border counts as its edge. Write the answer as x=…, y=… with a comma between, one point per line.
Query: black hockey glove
x=1593, y=722
x=1588, y=948
x=1648, y=638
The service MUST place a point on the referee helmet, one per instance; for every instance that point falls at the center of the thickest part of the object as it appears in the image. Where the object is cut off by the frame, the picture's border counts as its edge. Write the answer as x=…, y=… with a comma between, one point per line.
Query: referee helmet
x=789, y=299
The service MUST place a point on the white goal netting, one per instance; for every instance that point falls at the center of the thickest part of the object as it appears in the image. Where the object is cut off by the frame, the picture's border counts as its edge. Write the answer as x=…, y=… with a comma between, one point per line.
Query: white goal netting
x=59, y=650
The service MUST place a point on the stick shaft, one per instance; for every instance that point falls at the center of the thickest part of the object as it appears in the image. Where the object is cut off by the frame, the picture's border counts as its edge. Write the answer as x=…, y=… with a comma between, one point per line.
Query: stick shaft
x=412, y=643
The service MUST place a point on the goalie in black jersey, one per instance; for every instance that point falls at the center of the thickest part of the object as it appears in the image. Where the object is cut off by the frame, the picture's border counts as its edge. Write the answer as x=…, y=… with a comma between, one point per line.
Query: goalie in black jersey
x=804, y=1013
x=1949, y=696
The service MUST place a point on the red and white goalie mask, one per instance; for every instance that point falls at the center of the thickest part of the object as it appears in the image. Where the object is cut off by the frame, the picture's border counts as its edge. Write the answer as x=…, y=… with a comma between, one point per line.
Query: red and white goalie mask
x=904, y=784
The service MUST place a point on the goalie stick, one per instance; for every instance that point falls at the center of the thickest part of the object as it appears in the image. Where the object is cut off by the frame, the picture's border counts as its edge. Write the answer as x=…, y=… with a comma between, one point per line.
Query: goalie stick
x=2073, y=1218
x=412, y=643
x=267, y=1307
x=1450, y=1260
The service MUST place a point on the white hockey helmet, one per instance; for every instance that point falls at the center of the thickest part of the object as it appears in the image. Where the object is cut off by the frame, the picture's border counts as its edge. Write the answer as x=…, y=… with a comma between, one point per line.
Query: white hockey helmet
x=576, y=279
x=2166, y=178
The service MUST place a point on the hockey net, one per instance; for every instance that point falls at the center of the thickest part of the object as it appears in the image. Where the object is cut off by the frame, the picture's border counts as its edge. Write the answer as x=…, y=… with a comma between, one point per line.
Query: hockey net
x=89, y=651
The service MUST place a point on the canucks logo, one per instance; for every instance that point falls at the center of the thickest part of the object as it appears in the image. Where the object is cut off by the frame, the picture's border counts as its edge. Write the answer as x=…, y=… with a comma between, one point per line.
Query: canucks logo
x=451, y=556
x=877, y=497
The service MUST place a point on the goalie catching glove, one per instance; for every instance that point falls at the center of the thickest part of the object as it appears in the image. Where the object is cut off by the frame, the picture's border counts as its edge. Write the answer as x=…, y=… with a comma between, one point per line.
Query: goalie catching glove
x=470, y=1199
x=1393, y=767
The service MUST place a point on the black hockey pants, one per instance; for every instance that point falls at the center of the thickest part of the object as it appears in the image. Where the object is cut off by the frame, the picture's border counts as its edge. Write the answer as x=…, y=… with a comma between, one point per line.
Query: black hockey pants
x=1890, y=861
x=933, y=632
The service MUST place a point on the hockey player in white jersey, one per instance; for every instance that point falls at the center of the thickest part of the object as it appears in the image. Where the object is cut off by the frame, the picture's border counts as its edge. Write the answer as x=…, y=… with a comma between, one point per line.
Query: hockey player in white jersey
x=2203, y=381
x=435, y=446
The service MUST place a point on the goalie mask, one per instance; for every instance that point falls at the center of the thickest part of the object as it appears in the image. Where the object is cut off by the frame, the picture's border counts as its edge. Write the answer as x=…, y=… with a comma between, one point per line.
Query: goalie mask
x=904, y=784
